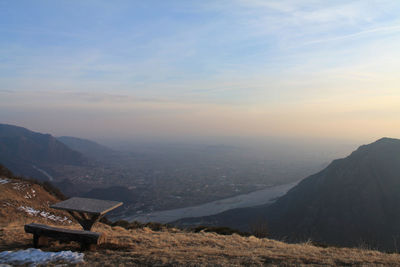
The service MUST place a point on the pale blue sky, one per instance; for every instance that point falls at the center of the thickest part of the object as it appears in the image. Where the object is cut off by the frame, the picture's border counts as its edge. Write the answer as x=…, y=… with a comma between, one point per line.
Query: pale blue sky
x=239, y=67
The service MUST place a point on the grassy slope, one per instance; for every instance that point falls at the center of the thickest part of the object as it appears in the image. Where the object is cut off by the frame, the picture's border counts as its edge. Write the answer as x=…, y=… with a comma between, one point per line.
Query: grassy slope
x=18, y=196
x=169, y=247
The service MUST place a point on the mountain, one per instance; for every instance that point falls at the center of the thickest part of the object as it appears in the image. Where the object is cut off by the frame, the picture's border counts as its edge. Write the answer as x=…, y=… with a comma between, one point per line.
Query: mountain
x=87, y=147
x=133, y=244
x=33, y=154
x=355, y=200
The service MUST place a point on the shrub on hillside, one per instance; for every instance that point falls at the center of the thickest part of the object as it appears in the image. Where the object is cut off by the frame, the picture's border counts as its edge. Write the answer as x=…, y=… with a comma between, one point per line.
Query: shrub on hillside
x=49, y=187
x=160, y=226
x=259, y=228
x=218, y=230
x=5, y=172
x=137, y=225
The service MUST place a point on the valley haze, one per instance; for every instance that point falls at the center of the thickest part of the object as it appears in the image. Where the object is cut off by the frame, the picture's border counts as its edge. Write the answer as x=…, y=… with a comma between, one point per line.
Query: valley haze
x=253, y=118
x=154, y=177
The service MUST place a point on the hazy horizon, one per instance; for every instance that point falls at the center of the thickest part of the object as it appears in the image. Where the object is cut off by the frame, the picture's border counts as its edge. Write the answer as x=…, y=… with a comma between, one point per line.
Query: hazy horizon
x=195, y=71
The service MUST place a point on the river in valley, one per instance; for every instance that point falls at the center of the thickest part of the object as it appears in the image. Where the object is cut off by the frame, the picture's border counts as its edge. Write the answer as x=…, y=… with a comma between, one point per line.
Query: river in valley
x=255, y=198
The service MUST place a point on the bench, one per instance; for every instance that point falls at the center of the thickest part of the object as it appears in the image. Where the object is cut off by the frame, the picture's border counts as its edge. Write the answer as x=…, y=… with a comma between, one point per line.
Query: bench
x=88, y=240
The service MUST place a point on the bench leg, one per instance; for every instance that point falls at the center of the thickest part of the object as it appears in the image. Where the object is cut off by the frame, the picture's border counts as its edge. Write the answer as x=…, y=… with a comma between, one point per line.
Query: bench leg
x=39, y=241
x=85, y=220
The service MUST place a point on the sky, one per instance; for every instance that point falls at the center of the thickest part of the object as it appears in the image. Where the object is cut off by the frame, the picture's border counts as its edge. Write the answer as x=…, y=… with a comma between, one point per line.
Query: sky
x=194, y=69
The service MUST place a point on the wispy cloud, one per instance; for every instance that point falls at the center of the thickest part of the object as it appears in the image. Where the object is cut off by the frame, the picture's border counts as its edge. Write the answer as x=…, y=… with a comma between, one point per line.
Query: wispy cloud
x=201, y=58
x=380, y=30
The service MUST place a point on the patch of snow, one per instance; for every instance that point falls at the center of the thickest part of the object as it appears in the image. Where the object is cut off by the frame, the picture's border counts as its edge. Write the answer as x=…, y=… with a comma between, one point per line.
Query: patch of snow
x=20, y=186
x=44, y=214
x=6, y=204
x=35, y=257
x=31, y=194
x=4, y=181
x=53, y=217
x=29, y=210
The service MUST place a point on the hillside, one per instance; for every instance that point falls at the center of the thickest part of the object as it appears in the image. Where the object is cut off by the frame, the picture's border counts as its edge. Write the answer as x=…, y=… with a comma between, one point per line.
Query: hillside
x=34, y=154
x=355, y=200
x=88, y=148
x=24, y=202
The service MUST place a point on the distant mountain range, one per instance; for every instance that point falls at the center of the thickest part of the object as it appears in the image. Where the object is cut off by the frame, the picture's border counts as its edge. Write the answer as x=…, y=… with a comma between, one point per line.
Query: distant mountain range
x=88, y=148
x=32, y=154
x=354, y=201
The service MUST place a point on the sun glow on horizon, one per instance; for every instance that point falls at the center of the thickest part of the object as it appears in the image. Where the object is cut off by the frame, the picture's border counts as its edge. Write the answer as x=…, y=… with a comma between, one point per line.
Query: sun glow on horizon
x=241, y=68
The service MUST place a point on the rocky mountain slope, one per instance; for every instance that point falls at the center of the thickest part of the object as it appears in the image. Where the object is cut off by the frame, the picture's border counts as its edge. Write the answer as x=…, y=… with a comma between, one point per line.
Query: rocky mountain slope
x=34, y=154
x=355, y=200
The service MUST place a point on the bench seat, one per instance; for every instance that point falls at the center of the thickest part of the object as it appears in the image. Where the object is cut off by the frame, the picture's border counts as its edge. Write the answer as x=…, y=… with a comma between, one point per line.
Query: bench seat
x=41, y=232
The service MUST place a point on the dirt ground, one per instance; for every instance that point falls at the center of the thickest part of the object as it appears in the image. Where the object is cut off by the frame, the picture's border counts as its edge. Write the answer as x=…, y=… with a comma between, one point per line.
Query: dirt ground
x=144, y=247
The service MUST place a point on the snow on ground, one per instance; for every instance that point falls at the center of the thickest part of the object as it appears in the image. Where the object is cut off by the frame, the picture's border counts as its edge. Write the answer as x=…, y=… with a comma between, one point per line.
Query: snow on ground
x=31, y=194
x=6, y=204
x=20, y=186
x=34, y=257
x=4, y=181
x=33, y=212
x=29, y=210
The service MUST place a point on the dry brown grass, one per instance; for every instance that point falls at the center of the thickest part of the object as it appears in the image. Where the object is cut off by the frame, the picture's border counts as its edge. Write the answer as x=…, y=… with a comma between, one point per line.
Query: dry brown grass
x=18, y=193
x=171, y=247
x=144, y=247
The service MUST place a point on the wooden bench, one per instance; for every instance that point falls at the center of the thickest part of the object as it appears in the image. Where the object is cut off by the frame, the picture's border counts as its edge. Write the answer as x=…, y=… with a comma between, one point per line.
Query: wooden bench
x=88, y=240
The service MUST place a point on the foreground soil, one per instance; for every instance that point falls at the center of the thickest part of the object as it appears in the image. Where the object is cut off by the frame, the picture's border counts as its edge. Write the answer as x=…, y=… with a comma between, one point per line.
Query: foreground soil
x=144, y=247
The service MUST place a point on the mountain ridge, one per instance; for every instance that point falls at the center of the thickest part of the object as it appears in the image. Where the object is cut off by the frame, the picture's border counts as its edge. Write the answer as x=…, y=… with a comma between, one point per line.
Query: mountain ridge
x=354, y=200
x=31, y=153
x=87, y=147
